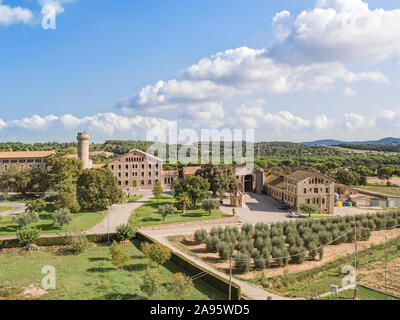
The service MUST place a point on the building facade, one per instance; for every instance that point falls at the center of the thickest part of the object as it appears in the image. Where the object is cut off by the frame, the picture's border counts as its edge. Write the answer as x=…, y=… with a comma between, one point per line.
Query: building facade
x=24, y=159
x=301, y=187
x=136, y=170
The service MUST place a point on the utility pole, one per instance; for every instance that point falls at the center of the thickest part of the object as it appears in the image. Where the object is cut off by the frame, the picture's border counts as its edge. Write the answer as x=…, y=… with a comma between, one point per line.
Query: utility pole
x=230, y=279
x=108, y=218
x=385, y=268
x=355, y=261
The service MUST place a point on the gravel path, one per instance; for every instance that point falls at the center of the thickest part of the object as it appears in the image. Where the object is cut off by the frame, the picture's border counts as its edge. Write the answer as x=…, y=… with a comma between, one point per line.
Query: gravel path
x=17, y=208
x=119, y=214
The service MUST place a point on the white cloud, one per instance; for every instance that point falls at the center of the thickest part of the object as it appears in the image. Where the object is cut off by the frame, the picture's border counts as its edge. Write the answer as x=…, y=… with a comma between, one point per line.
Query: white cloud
x=168, y=95
x=252, y=115
x=241, y=71
x=2, y=124
x=210, y=114
x=338, y=30
x=12, y=15
x=34, y=122
x=349, y=92
x=357, y=121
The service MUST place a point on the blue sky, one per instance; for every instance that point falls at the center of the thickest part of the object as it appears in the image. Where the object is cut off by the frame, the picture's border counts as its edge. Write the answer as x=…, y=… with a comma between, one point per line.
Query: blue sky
x=287, y=81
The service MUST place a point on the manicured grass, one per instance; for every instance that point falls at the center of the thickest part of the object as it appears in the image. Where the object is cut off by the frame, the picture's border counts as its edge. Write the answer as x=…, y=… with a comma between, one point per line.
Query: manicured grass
x=150, y=216
x=362, y=294
x=319, y=280
x=80, y=222
x=2, y=209
x=90, y=275
x=392, y=191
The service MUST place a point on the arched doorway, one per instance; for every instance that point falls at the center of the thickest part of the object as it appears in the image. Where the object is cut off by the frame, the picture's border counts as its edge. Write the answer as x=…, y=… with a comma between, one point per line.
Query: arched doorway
x=248, y=183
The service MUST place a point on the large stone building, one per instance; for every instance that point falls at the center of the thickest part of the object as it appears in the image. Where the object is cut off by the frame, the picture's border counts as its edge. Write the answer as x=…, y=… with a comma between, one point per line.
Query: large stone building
x=303, y=187
x=137, y=170
x=24, y=159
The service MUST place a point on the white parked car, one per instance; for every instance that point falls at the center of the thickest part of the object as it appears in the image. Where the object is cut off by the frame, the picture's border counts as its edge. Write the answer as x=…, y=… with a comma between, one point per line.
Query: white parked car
x=295, y=215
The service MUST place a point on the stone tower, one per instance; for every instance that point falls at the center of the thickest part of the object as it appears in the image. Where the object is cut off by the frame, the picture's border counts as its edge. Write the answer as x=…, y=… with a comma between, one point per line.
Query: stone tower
x=83, y=149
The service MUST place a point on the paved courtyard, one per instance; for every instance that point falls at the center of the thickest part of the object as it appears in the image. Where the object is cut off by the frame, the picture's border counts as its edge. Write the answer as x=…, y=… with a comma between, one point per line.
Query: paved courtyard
x=16, y=208
x=259, y=208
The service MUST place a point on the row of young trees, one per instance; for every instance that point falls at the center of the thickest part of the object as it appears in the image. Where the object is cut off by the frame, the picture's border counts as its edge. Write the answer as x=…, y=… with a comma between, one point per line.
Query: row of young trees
x=290, y=242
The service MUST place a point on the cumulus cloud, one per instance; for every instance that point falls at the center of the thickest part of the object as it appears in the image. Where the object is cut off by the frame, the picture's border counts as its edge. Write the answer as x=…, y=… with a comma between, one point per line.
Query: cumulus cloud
x=12, y=15
x=34, y=122
x=241, y=71
x=357, y=121
x=349, y=92
x=101, y=124
x=168, y=95
x=337, y=30
x=252, y=115
x=210, y=114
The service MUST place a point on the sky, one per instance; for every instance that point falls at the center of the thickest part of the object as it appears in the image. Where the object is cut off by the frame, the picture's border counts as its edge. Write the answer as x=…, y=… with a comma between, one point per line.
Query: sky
x=290, y=70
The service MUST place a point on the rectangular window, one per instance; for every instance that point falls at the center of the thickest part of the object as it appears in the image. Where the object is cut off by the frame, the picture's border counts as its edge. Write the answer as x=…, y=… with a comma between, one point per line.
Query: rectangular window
x=327, y=190
x=305, y=190
x=315, y=190
x=149, y=182
x=142, y=182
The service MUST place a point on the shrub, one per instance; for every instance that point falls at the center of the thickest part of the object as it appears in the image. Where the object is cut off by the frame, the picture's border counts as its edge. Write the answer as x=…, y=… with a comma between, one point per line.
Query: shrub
x=225, y=250
x=265, y=254
x=279, y=255
x=125, y=232
x=156, y=252
x=62, y=217
x=36, y=206
x=27, y=236
x=278, y=242
x=181, y=286
x=119, y=256
x=298, y=254
x=200, y=235
x=245, y=246
x=247, y=228
x=321, y=253
x=312, y=250
x=209, y=205
x=276, y=231
x=151, y=282
x=258, y=260
x=22, y=220
x=166, y=210
x=77, y=242
x=242, y=262
x=212, y=242
x=324, y=237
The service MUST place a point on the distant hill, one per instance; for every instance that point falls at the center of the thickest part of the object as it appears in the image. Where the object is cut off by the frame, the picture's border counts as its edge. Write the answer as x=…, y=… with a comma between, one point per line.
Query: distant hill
x=331, y=142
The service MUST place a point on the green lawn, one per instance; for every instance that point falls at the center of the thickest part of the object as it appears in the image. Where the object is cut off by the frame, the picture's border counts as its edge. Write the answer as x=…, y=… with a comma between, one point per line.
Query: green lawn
x=150, y=216
x=89, y=276
x=391, y=191
x=2, y=209
x=80, y=221
x=362, y=294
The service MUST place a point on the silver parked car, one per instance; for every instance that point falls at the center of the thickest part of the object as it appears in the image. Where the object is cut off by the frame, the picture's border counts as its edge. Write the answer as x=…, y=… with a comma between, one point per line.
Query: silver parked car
x=295, y=215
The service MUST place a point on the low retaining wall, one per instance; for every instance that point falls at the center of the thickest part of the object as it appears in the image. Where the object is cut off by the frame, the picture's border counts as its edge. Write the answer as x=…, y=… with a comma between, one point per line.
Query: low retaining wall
x=211, y=278
x=194, y=224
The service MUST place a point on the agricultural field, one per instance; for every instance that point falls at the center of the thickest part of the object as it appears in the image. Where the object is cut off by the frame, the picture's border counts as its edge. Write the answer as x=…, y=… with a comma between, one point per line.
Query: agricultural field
x=150, y=216
x=80, y=222
x=87, y=276
x=391, y=191
x=275, y=256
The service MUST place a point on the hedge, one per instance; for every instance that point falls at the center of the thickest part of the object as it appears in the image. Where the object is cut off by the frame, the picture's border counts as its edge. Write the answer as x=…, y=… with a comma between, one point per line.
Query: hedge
x=211, y=278
x=55, y=240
